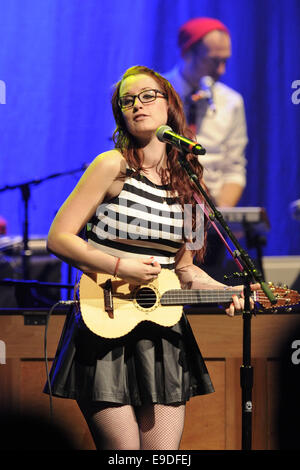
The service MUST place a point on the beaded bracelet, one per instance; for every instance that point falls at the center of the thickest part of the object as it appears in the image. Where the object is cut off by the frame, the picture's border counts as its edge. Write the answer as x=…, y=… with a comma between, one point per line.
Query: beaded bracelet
x=116, y=267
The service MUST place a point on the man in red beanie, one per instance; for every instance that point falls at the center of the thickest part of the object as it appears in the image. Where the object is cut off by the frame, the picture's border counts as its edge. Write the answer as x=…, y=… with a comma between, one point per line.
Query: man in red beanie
x=215, y=113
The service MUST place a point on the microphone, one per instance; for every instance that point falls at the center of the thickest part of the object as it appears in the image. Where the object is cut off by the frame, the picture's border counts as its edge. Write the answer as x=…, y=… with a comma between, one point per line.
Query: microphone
x=206, y=84
x=166, y=134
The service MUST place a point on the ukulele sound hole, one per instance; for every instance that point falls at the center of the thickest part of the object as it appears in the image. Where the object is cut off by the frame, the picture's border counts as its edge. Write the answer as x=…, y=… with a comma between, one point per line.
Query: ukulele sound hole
x=146, y=297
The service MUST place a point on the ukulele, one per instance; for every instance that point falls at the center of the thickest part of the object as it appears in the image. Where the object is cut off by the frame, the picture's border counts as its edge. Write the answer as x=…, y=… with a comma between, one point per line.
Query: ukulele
x=111, y=308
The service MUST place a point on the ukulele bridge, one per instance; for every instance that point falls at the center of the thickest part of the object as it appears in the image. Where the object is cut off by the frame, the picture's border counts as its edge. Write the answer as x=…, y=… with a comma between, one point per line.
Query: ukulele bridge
x=108, y=298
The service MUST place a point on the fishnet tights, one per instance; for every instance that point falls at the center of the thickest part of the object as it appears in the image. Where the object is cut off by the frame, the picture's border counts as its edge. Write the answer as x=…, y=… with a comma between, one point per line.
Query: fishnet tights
x=121, y=427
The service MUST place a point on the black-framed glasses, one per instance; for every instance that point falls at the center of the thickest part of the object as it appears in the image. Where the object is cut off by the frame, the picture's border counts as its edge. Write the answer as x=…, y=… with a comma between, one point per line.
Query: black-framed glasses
x=145, y=96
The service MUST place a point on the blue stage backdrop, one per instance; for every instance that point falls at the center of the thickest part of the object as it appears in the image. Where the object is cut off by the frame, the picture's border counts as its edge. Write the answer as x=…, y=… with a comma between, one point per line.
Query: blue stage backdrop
x=60, y=58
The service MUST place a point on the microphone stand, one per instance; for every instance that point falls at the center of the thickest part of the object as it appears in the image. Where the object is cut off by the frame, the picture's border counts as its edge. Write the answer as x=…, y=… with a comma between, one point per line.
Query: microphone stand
x=248, y=274
x=25, y=190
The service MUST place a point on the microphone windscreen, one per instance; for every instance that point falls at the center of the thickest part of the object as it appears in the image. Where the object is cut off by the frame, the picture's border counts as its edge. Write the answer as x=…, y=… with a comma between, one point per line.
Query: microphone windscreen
x=160, y=132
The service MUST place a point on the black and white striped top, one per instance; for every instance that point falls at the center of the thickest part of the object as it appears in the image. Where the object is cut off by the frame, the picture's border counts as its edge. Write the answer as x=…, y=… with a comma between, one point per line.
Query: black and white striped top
x=142, y=221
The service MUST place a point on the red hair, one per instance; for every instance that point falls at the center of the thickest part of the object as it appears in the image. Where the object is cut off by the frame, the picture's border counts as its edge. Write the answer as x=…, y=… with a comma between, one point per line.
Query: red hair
x=175, y=176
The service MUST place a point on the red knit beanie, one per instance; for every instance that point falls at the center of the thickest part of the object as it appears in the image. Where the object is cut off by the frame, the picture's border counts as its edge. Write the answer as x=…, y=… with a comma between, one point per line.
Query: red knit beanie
x=195, y=29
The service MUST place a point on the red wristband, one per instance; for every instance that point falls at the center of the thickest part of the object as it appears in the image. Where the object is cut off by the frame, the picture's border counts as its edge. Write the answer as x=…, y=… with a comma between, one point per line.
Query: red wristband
x=116, y=267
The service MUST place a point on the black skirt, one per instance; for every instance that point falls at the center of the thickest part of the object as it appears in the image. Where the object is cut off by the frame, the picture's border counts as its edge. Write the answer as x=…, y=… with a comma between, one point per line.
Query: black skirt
x=151, y=364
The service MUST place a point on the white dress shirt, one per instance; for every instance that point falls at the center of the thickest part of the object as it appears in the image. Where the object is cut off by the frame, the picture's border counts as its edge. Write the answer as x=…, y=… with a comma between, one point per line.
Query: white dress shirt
x=223, y=134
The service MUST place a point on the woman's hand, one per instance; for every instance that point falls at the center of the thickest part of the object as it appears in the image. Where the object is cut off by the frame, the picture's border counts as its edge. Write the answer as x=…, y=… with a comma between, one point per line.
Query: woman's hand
x=192, y=277
x=138, y=271
x=238, y=303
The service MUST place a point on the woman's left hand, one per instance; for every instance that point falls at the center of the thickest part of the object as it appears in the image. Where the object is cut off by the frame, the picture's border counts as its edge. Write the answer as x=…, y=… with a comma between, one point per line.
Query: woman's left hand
x=238, y=303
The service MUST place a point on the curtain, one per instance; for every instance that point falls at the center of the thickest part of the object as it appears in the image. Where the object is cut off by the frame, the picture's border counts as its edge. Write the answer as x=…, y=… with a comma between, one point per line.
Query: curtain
x=60, y=58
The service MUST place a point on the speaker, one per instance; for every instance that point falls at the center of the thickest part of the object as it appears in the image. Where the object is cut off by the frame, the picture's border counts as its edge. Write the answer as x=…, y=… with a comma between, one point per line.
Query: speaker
x=43, y=268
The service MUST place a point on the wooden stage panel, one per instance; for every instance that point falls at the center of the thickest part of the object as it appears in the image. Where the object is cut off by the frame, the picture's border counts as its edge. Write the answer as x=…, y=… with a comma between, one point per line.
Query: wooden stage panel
x=205, y=414
x=65, y=412
x=213, y=422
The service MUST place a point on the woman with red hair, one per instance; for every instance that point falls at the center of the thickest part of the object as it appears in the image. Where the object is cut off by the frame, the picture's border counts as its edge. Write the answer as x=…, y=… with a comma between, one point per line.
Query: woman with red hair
x=132, y=390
